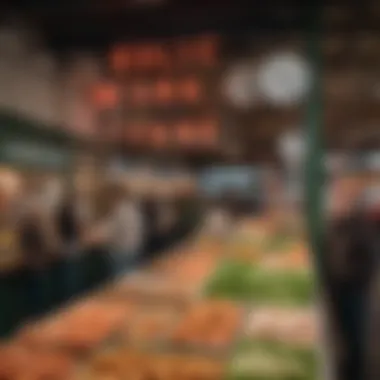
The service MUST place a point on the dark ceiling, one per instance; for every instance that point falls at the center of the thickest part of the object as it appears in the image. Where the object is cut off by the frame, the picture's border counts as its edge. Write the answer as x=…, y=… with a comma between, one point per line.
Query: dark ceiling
x=96, y=23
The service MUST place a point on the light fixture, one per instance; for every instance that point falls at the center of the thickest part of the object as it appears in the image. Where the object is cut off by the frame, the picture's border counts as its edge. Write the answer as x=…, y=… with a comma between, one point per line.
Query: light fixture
x=284, y=79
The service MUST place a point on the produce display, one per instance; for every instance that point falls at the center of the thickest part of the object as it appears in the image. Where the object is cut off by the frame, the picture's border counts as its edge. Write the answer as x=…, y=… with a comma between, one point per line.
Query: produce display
x=209, y=324
x=18, y=362
x=80, y=328
x=150, y=325
x=136, y=328
x=295, y=327
x=238, y=280
x=296, y=259
x=193, y=268
x=261, y=360
x=153, y=288
x=125, y=363
x=282, y=249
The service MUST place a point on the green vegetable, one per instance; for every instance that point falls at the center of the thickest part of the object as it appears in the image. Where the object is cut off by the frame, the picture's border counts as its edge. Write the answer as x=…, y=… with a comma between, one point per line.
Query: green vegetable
x=262, y=360
x=244, y=282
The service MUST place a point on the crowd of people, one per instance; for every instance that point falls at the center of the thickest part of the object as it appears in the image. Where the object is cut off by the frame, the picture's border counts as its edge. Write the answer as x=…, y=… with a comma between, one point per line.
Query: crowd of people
x=124, y=226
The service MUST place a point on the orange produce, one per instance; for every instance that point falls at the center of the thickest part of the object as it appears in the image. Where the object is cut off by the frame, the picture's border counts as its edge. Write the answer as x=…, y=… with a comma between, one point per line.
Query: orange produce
x=210, y=324
x=161, y=366
x=17, y=362
x=80, y=328
x=151, y=325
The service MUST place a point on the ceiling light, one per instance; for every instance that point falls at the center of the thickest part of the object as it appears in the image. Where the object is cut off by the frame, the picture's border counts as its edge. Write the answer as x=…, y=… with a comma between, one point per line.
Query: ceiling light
x=284, y=79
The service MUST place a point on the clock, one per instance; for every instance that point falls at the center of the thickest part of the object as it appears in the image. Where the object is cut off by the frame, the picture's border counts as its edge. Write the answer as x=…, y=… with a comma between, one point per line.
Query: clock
x=284, y=79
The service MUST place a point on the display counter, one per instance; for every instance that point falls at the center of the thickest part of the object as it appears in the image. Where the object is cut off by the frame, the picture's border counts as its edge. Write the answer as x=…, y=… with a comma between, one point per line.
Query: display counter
x=160, y=321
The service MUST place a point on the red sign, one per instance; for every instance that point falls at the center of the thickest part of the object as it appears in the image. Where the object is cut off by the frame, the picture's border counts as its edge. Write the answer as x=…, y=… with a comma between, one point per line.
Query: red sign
x=105, y=95
x=200, y=51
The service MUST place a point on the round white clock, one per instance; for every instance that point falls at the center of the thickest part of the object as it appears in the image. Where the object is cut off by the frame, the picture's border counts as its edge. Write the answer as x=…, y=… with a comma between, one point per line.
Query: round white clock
x=284, y=79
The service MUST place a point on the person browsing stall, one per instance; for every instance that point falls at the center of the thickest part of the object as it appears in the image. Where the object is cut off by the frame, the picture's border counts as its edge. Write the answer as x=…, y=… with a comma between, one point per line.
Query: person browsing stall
x=125, y=230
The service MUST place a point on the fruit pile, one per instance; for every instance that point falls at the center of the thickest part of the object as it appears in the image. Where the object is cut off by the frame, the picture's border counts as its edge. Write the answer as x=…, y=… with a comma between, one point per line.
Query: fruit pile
x=18, y=362
x=125, y=363
x=209, y=324
x=150, y=325
x=80, y=328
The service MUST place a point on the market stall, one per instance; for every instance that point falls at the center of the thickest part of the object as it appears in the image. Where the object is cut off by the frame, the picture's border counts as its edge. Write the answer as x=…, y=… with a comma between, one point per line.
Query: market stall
x=164, y=322
x=203, y=310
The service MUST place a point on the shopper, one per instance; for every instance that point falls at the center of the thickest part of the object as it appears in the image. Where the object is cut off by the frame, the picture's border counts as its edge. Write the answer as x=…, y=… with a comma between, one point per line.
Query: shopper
x=166, y=220
x=151, y=232
x=68, y=226
x=34, y=250
x=351, y=266
x=218, y=220
x=125, y=230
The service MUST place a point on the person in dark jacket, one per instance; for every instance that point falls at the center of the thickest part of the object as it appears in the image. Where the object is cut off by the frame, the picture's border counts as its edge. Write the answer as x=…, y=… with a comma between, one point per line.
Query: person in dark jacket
x=33, y=247
x=69, y=232
x=150, y=215
x=351, y=268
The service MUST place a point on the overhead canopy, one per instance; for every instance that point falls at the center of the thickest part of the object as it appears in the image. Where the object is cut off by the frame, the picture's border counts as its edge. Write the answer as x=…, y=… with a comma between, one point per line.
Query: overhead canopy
x=30, y=144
